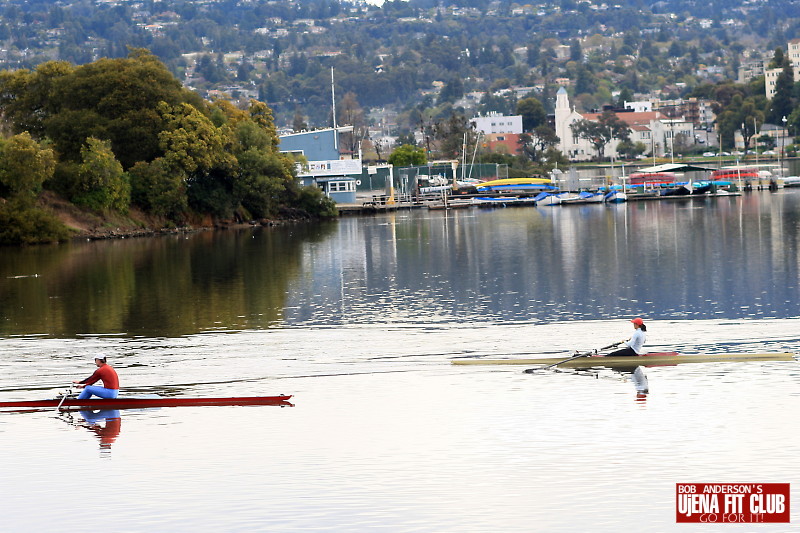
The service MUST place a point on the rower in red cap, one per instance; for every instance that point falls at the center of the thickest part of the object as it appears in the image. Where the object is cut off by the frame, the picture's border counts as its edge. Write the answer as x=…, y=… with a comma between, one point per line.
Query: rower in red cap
x=104, y=372
x=634, y=345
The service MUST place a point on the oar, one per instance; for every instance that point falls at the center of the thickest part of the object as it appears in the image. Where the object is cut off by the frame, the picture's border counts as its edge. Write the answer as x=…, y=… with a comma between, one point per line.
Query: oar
x=610, y=346
x=64, y=397
x=576, y=356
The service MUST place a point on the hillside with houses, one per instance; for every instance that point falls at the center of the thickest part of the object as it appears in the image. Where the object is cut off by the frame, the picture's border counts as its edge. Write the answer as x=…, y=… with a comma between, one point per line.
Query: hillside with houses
x=529, y=87
x=407, y=63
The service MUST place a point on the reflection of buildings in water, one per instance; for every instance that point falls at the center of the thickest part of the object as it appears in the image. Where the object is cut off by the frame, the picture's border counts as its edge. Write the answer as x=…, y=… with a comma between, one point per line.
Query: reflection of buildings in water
x=335, y=269
x=718, y=256
x=105, y=424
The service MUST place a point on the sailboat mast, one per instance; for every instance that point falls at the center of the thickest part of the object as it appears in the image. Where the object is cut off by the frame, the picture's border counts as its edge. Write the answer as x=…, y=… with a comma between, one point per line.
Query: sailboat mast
x=472, y=163
x=464, y=157
x=333, y=110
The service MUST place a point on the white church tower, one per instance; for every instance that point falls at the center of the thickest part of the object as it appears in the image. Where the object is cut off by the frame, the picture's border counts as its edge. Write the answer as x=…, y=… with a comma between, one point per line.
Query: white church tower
x=574, y=148
x=564, y=118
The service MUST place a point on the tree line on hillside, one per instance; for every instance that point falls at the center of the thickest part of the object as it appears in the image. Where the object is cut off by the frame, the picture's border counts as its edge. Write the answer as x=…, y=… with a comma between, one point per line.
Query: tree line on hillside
x=122, y=133
x=389, y=55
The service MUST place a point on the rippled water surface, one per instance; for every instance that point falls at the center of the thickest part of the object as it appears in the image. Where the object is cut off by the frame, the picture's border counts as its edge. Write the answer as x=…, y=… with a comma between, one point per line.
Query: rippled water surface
x=359, y=320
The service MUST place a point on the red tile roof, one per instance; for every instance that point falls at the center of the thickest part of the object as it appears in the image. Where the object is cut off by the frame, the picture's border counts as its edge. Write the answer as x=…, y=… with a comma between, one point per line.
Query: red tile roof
x=643, y=118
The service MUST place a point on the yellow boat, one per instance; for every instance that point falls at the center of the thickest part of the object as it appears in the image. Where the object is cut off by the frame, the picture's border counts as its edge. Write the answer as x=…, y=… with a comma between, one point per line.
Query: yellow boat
x=514, y=181
x=652, y=359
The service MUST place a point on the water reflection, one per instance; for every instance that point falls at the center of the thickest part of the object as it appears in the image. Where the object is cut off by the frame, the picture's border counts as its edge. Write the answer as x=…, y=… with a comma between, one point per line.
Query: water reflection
x=165, y=286
x=637, y=377
x=732, y=258
x=105, y=424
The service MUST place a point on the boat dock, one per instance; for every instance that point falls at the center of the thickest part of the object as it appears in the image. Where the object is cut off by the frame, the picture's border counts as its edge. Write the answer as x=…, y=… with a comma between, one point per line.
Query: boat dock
x=382, y=204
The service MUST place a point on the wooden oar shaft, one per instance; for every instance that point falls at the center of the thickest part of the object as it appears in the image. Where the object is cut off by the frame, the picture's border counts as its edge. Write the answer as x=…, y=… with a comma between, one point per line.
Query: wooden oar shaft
x=578, y=356
x=611, y=346
x=66, y=395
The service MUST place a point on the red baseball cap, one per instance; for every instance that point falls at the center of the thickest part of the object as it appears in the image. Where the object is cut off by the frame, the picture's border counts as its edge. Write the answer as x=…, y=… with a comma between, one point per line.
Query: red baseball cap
x=638, y=321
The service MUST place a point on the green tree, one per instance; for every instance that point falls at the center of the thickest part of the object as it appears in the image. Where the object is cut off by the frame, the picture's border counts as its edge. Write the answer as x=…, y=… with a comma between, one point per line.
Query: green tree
x=533, y=113
x=630, y=149
x=263, y=175
x=782, y=103
x=23, y=223
x=778, y=58
x=766, y=142
x=260, y=184
x=526, y=147
x=193, y=146
x=299, y=121
x=752, y=118
x=575, y=52
x=553, y=158
x=159, y=189
x=407, y=156
x=101, y=184
x=29, y=98
x=586, y=80
x=452, y=91
x=599, y=133
x=625, y=95
x=312, y=200
x=262, y=115
x=190, y=141
x=493, y=103
x=450, y=135
x=544, y=137
x=114, y=99
x=24, y=166
x=249, y=135
x=179, y=154
x=406, y=138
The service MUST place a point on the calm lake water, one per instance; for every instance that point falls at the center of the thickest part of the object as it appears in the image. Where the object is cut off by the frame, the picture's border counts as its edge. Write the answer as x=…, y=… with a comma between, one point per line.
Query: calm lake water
x=359, y=319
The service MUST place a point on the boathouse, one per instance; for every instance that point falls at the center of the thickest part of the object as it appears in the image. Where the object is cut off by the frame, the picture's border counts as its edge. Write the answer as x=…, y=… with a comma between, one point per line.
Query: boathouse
x=326, y=166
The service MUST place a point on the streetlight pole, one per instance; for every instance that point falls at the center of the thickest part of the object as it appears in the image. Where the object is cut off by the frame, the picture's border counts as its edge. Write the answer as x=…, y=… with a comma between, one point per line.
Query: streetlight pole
x=755, y=149
x=745, y=144
x=653, y=146
x=672, y=139
x=783, y=143
x=755, y=145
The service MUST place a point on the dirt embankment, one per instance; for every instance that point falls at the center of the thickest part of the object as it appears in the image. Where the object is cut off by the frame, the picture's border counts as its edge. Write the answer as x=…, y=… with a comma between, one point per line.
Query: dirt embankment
x=87, y=224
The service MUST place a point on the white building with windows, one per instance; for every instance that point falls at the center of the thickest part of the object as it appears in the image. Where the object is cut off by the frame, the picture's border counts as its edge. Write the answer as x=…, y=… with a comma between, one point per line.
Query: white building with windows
x=771, y=74
x=496, y=123
x=652, y=128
